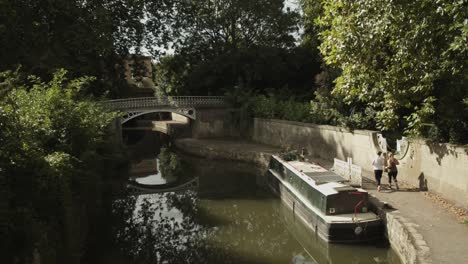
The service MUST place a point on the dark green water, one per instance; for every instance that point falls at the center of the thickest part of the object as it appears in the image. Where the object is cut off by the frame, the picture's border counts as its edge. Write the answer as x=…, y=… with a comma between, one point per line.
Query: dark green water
x=230, y=219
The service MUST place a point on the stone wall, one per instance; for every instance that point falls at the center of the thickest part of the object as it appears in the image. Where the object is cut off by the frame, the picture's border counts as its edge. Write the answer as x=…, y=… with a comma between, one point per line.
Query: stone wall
x=439, y=168
x=402, y=234
x=216, y=123
x=321, y=141
x=179, y=118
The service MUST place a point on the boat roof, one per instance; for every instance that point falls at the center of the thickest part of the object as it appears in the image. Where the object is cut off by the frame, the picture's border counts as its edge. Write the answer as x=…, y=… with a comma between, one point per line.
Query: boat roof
x=325, y=181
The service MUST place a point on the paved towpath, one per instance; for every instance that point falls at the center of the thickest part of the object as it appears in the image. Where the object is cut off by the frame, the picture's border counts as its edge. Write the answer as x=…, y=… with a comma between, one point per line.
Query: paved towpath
x=445, y=235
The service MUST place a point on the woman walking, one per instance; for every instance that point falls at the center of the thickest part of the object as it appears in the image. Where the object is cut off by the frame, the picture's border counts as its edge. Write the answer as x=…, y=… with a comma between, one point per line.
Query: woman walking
x=392, y=170
x=378, y=165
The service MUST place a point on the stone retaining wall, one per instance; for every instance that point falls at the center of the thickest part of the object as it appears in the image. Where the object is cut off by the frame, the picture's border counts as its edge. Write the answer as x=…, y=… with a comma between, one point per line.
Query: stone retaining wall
x=216, y=123
x=321, y=141
x=439, y=168
x=406, y=240
x=402, y=234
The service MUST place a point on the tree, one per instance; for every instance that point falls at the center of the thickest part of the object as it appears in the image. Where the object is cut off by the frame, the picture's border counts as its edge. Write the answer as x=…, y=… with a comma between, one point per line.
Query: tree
x=85, y=37
x=227, y=43
x=311, y=10
x=262, y=70
x=404, y=59
x=57, y=157
x=221, y=25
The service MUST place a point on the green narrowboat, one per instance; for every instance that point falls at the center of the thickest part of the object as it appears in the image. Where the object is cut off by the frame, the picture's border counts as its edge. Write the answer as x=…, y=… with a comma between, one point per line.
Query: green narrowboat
x=335, y=211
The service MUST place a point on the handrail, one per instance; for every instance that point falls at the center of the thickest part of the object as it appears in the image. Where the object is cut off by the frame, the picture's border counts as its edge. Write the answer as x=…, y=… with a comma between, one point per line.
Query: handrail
x=356, y=207
x=172, y=101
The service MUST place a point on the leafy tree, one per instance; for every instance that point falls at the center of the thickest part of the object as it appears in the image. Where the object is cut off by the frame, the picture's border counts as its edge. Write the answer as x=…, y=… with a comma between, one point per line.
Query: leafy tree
x=57, y=157
x=311, y=10
x=404, y=59
x=264, y=70
x=227, y=43
x=170, y=75
x=85, y=37
x=221, y=25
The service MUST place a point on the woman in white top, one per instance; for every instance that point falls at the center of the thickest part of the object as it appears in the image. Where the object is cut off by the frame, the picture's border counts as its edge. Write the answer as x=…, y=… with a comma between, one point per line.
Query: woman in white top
x=378, y=165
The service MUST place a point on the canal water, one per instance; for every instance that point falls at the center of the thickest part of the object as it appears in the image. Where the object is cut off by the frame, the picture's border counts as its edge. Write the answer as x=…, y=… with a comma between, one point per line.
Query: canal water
x=229, y=219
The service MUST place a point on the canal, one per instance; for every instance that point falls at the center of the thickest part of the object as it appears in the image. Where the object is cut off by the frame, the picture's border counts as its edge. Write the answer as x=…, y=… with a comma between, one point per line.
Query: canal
x=229, y=218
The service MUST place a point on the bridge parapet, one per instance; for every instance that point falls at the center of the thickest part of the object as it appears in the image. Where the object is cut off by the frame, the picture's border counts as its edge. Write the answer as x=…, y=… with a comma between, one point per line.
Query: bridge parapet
x=170, y=101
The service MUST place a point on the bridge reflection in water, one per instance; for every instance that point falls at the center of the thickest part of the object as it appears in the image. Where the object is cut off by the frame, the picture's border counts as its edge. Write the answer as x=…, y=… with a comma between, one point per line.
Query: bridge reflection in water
x=136, y=188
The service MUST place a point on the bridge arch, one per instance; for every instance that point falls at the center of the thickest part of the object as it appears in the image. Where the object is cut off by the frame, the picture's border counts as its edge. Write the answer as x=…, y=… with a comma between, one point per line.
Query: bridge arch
x=183, y=105
x=129, y=115
x=209, y=116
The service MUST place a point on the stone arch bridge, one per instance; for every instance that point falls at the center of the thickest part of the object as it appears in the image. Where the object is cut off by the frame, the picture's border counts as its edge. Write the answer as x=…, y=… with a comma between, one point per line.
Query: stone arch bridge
x=210, y=116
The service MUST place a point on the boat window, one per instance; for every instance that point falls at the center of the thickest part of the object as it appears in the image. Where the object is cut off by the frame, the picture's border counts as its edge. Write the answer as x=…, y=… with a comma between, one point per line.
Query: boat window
x=298, y=183
x=315, y=197
x=303, y=188
x=277, y=167
x=344, y=202
x=290, y=176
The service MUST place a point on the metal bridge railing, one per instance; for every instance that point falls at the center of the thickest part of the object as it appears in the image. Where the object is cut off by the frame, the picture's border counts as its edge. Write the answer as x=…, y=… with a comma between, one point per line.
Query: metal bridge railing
x=171, y=101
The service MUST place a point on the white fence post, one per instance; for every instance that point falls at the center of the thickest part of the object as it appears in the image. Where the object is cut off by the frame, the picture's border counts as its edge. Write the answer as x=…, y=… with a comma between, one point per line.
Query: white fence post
x=348, y=170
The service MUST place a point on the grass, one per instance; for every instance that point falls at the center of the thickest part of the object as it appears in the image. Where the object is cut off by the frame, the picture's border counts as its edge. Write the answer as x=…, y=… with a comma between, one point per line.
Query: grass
x=466, y=223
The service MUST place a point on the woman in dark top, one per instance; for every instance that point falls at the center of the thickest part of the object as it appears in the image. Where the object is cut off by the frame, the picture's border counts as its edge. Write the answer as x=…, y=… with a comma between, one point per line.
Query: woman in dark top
x=392, y=170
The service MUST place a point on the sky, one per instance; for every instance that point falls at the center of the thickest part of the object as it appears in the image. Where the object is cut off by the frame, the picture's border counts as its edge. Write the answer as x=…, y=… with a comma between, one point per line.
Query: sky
x=293, y=4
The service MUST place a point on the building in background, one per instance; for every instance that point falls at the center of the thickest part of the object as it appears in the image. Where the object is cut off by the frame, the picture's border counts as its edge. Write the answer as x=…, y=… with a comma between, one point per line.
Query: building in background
x=139, y=75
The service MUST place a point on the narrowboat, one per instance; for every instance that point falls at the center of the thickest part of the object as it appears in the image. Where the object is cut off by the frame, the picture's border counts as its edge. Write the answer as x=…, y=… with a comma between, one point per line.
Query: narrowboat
x=335, y=211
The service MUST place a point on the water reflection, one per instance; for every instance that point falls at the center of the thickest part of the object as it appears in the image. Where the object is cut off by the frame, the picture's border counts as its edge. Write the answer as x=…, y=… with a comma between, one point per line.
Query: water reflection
x=317, y=250
x=159, y=228
x=230, y=220
x=154, y=176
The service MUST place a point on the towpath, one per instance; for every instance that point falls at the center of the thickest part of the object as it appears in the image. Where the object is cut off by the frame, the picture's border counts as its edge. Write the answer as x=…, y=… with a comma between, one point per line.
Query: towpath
x=443, y=232
x=441, y=228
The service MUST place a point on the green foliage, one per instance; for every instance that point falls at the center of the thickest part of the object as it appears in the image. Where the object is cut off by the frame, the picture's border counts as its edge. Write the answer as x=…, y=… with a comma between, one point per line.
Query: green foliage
x=317, y=111
x=56, y=155
x=274, y=108
x=406, y=60
x=263, y=69
x=311, y=10
x=170, y=76
x=230, y=43
x=170, y=165
x=84, y=37
x=212, y=27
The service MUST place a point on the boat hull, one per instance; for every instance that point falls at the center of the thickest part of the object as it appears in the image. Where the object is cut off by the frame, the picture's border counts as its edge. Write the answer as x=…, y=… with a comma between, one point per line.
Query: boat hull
x=345, y=231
